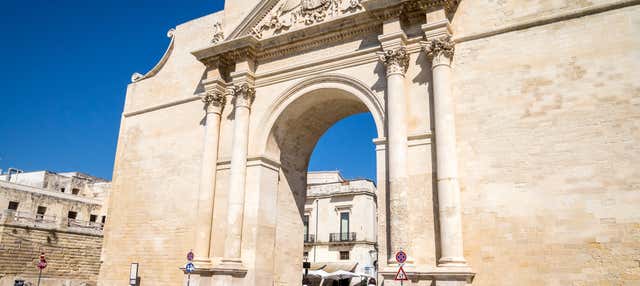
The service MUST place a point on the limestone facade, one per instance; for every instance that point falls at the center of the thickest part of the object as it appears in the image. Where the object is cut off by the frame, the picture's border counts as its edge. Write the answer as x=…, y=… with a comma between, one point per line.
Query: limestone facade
x=506, y=154
x=340, y=223
x=60, y=214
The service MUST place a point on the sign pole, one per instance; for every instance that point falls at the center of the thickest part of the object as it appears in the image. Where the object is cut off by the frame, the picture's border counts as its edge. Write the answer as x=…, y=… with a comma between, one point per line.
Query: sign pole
x=39, y=275
x=188, y=279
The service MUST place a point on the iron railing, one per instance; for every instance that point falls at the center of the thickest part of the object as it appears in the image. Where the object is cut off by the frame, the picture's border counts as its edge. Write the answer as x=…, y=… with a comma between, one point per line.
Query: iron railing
x=342, y=237
x=309, y=238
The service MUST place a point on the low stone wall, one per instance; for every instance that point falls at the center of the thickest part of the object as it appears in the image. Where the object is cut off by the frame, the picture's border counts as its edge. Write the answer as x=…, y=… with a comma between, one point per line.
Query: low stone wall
x=73, y=257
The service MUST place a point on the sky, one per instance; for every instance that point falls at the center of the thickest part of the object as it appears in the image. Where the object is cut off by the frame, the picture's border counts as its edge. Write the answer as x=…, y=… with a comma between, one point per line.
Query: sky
x=63, y=78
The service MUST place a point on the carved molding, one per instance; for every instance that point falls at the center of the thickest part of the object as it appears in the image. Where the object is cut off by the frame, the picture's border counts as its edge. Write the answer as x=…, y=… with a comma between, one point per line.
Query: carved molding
x=136, y=77
x=244, y=94
x=437, y=47
x=218, y=33
x=396, y=60
x=449, y=5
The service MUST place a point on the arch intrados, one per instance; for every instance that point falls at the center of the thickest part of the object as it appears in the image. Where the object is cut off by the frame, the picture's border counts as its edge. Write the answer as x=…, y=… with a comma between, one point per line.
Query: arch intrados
x=339, y=82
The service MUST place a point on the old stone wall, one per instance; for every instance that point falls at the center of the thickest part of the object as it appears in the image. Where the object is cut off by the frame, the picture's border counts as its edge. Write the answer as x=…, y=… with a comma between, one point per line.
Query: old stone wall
x=73, y=258
x=548, y=135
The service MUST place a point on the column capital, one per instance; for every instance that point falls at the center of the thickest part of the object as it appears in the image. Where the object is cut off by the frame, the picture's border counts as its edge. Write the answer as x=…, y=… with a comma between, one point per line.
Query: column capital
x=214, y=101
x=244, y=94
x=396, y=60
x=215, y=95
x=440, y=50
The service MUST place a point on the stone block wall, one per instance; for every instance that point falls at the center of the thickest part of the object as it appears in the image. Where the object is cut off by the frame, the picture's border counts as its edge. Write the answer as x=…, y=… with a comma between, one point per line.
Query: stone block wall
x=73, y=258
x=548, y=132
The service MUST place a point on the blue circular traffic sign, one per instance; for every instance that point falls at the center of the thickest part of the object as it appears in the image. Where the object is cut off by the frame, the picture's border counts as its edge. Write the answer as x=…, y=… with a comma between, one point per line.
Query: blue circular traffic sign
x=401, y=256
x=190, y=267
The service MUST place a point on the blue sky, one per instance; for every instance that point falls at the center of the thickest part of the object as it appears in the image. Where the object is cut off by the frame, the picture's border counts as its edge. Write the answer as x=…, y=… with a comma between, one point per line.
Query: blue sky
x=64, y=72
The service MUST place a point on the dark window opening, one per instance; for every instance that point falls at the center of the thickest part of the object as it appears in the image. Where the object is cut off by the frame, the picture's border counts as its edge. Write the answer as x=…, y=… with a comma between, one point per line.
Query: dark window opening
x=305, y=222
x=93, y=218
x=344, y=225
x=75, y=191
x=72, y=215
x=40, y=213
x=344, y=255
x=104, y=219
x=13, y=206
x=62, y=190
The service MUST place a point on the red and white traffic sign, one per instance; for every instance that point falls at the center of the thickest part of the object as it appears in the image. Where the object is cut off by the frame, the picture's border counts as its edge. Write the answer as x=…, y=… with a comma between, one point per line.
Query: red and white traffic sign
x=401, y=275
x=401, y=257
x=42, y=264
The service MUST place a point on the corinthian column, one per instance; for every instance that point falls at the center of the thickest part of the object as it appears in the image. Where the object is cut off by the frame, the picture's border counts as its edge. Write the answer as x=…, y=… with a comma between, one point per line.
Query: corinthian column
x=214, y=101
x=440, y=50
x=396, y=61
x=243, y=97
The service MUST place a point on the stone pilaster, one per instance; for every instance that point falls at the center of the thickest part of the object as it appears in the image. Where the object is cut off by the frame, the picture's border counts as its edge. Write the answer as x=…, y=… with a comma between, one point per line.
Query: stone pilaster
x=441, y=50
x=243, y=94
x=214, y=101
x=396, y=61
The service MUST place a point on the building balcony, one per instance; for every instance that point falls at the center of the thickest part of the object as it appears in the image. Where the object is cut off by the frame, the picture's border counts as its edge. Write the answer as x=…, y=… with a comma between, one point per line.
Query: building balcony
x=342, y=237
x=309, y=238
x=28, y=219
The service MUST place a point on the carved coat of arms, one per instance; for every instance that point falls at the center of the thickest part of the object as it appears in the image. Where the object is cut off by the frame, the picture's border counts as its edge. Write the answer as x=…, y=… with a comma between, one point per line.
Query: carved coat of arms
x=313, y=4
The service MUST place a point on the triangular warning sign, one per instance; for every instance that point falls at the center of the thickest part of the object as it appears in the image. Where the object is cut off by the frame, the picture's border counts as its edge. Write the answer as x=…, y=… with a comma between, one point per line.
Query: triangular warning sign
x=401, y=274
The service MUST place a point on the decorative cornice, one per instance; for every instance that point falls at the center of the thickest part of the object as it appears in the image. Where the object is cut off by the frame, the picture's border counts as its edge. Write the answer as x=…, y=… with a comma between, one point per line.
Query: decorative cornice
x=396, y=60
x=244, y=94
x=274, y=50
x=422, y=5
x=442, y=46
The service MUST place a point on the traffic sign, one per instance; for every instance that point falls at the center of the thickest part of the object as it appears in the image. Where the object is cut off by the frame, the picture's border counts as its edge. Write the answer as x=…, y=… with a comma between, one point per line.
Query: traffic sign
x=401, y=275
x=190, y=267
x=190, y=255
x=42, y=264
x=401, y=257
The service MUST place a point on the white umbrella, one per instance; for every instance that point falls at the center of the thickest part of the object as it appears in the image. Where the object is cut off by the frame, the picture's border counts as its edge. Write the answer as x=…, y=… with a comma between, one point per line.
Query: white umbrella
x=341, y=274
x=318, y=273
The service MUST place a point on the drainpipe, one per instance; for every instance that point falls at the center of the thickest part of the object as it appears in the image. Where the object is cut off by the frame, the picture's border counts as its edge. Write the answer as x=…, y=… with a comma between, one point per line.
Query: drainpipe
x=317, y=237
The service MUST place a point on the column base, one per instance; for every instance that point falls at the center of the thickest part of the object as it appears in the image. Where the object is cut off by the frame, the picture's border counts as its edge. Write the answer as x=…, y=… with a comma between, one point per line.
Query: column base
x=202, y=262
x=452, y=262
x=226, y=266
x=441, y=276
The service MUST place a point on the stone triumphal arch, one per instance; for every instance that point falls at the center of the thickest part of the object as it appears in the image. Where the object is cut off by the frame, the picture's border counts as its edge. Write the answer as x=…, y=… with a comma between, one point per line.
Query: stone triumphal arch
x=215, y=142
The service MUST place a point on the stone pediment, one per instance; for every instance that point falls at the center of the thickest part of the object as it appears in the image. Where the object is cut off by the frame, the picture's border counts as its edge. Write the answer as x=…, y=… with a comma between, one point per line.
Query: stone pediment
x=275, y=17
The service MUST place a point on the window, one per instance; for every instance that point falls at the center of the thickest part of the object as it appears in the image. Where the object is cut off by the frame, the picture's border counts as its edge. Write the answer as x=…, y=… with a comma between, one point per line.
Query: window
x=72, y=215
x=305, y=221
x=75, y=191
x=104, y=219
x=344, y=255
x=344, y=226
x=93, y=218
x=13, y=206
x=62, y=190
x=40, y=213
x=305, y=255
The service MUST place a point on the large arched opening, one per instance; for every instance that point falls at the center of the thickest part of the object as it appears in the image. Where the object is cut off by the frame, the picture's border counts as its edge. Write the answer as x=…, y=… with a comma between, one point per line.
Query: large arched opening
x=298, y=120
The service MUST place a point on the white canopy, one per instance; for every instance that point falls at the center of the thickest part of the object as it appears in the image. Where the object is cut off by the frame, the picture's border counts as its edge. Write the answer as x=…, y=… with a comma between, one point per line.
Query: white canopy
x=318, y=273
x=341, y=274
